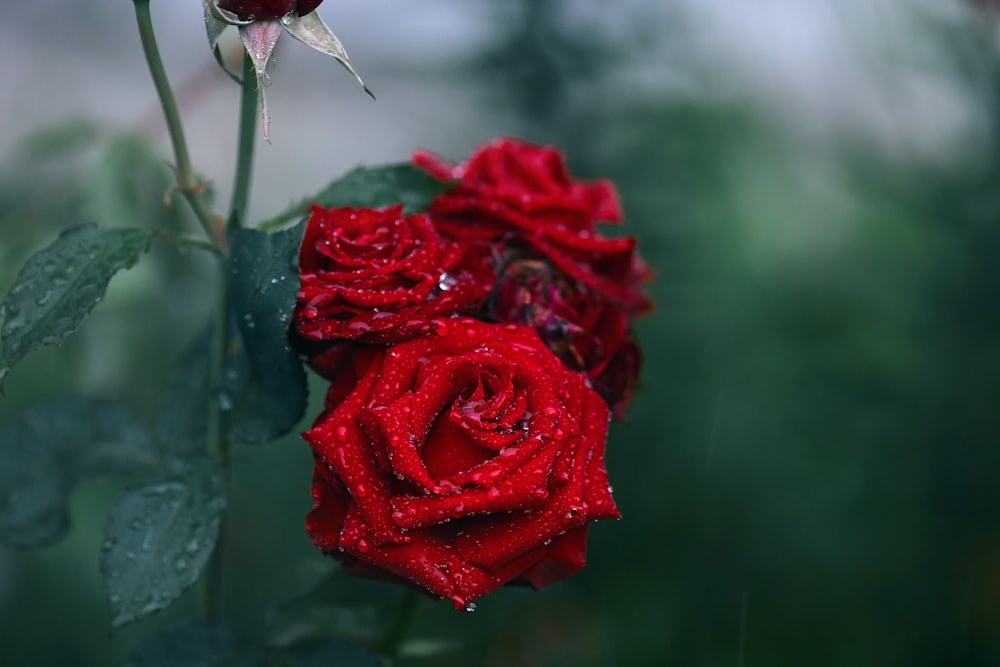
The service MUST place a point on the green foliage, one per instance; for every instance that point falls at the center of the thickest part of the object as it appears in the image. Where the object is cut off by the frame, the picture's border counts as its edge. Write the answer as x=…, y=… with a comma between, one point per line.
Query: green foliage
x=159, y=537
x=58, y=286
x=191, y=645
x=265, y=382
x=213, y=645
x=47, y=449
x=372, y=187
x=181, y=428
x=332, y=652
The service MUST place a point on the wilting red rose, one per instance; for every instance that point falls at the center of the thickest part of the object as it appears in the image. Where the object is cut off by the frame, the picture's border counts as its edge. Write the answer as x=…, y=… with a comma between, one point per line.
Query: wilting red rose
x=379, y=276
x=588, y=333
x=459, y=462
x=514, y=190
x=267, y=10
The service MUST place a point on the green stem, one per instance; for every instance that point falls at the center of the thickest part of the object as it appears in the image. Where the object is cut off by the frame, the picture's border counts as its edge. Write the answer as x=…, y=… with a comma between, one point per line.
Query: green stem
x=186, y=182
x=395, y=635
x=248, y=130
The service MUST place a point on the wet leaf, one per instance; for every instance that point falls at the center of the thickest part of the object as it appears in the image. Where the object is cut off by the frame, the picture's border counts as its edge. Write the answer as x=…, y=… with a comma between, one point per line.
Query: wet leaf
x=48, y=448
x=265, y=380
x=59, y=286
x=373, y=187
x=191, y=645
x=158, y=538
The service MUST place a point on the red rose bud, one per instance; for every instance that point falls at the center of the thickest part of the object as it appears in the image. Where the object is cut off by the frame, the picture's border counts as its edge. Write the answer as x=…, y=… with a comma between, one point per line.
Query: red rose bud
x=267, y=10
x=379, y=276
x=586, y=332
x=460, y=462
x=509, y=189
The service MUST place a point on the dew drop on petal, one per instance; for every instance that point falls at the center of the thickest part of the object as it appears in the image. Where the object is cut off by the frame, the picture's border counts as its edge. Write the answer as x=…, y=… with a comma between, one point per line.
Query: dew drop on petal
x=493, y=493
x=361, y=491
x=363, y=546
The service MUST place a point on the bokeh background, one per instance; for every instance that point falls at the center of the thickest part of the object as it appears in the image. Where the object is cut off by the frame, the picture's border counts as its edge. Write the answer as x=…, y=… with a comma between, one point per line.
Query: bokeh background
x=810, y=474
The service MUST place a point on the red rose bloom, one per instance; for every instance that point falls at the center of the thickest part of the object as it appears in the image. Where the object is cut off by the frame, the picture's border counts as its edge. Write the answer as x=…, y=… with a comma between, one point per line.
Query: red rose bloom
x=586, y=332
x=267, y=10
x=379, y=276
x=459, y=462
x=510, y=189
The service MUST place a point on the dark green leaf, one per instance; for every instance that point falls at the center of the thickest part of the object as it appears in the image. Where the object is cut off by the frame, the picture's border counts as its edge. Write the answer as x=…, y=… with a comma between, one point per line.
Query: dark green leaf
x=58, y=286
x=191, y=645
x=182, y=418
x=265, y=381
x=158, y=538
x=48, y=448
x=373, y=187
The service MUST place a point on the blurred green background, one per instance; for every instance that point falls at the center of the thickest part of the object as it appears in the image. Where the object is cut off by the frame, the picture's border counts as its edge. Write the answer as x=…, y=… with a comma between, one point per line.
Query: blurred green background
x=809, y=474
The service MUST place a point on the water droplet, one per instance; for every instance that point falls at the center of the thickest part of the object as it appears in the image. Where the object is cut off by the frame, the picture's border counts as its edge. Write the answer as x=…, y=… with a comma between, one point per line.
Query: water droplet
x=288, y=19
x=441, y=328
x=342, y=433
x=446, y=282
x=359, y=327
x=363, y=546
x=470, y=607
x=493, y=493
x=361, y=491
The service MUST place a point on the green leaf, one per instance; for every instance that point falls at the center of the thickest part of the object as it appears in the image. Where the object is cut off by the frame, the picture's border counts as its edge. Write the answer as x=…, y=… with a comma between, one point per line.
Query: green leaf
x=59, y=285
x=265, y=380
x=190, y=645
x=48, y=448
x=181, y=428
x=372, y=187
x=158, y=538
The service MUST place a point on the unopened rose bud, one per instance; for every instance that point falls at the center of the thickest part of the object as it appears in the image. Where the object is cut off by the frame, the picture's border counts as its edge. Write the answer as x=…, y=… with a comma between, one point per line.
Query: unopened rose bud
x=267, y=10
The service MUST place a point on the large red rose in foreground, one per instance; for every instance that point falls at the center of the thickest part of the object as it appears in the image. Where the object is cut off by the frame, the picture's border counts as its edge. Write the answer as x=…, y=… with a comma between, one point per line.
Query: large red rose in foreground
x=517, y=192
x=378, y=276
x=459, y=462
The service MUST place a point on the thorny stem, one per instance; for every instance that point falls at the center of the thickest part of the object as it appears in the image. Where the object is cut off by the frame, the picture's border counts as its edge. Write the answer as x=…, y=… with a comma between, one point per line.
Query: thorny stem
x=248, y=128
x=187, y=184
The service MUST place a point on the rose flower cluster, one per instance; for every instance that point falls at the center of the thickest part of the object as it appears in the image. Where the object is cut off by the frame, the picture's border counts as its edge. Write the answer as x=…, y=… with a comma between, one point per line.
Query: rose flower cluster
x=475, y=354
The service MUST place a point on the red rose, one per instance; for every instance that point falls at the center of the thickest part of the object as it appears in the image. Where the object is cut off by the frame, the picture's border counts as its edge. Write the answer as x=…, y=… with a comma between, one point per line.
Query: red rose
x=267, y=10
x=586, y=332
x=511, y=189
x=460, y=462
x=379, y=276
